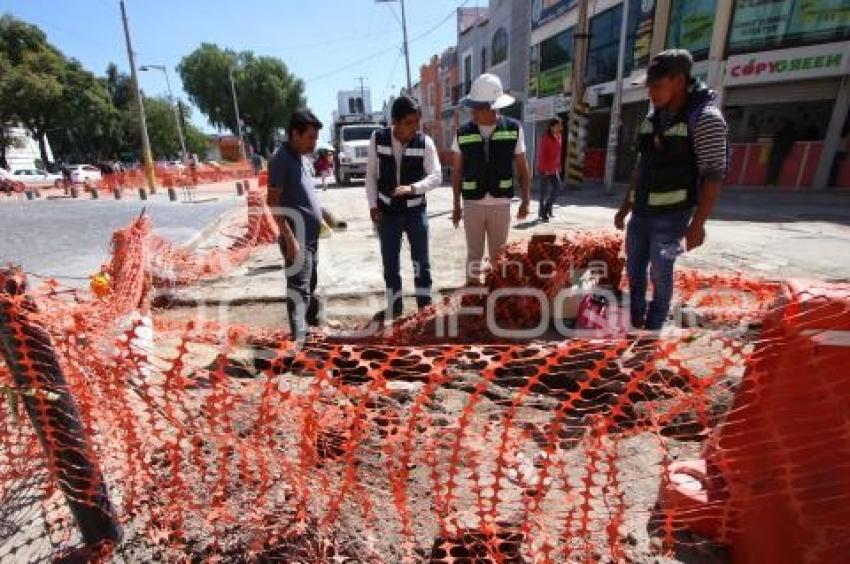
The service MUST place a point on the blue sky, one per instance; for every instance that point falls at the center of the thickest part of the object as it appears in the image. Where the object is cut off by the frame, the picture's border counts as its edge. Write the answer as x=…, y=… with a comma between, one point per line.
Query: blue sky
x=324, y=42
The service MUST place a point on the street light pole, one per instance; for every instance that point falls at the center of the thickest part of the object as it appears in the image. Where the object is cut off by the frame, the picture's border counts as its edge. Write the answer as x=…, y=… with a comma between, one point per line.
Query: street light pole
x=238, y=119
x=406, y=48
x=164, y=70
x=147, y=157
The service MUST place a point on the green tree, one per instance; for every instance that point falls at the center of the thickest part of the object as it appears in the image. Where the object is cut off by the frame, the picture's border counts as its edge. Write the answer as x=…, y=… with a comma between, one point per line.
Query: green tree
x=49, y=93
x=163, y=132
x=34, y=92
x=266, y=90
x=6, y=116
x=90, y=125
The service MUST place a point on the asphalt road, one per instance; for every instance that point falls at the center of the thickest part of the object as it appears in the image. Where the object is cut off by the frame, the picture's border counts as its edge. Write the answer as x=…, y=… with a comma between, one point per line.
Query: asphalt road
x=69, y=239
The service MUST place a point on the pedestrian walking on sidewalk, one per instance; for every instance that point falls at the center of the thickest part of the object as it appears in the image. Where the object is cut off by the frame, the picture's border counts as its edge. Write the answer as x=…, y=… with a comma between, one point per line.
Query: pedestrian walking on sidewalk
x=323, y=166
x=682, y=146
x=549, y=168
x=295, y=206
x=403, y=167
x=486, y=151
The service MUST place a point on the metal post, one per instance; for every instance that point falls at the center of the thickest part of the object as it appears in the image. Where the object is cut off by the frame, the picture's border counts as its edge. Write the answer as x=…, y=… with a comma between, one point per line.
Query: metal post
x=617, y=108
x=238, y=119
x=833, y=136
x=164, y=70
x=40, y=384
x=147, y=157
x=363, y=96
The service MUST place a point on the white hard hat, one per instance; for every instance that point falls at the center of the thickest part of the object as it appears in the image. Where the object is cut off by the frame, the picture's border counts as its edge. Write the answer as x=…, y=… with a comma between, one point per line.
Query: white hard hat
x=487, y=89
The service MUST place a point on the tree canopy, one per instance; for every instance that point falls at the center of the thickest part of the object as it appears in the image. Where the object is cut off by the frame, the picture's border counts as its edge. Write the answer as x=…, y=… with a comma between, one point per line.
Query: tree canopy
x=86, y=117
x=266, y=91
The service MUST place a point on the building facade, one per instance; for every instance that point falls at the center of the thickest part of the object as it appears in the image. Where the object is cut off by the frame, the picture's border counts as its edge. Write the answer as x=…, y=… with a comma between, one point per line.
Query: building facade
x=449, y=117
x=23, y=151
x=432, y=99
x=781, y=69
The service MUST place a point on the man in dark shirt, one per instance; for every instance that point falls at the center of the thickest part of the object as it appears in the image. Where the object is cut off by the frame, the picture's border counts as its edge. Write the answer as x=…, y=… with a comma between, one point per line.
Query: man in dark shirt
x=294, y=203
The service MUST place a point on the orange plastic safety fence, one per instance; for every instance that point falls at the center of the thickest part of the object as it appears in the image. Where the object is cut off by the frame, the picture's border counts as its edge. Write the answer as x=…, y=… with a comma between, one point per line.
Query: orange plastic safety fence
x=169, y=177
x=222, y=443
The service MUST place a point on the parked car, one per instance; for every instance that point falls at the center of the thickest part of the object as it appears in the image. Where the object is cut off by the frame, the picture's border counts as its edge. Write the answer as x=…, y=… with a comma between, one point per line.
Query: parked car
x=84, y=173
x=36, y=177
x=9, y=185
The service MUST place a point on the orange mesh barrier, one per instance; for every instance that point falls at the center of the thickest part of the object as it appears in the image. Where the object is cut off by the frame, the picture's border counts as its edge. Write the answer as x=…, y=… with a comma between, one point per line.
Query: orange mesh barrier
x=168, y=177
x=221, y=443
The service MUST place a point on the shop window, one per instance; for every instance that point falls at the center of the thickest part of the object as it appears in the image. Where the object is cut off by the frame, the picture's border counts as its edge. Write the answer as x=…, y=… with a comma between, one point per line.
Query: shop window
x=691, y=26
x=604, y=46
x=552, y=65
x=758, y=25
x=500, y=46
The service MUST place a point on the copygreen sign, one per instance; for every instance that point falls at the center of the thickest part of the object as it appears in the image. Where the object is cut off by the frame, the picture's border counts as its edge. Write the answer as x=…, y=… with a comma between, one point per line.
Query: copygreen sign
x=691, y=24
x=770, y=22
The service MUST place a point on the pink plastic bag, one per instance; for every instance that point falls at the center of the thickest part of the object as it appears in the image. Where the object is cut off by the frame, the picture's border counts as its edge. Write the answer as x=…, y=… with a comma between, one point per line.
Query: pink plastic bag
x=598, y=317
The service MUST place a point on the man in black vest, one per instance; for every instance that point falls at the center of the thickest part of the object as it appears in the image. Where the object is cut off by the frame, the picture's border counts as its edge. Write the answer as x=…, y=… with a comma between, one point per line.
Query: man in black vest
x=682, y=146
x=486, y=150
x=403, y=166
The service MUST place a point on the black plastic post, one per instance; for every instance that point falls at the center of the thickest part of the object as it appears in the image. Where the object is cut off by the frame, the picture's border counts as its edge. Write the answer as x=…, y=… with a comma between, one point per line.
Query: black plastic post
x=30, y=195
x=172, y=194
x=240, y=191
x=75, y=193
x=116, y=192
x=143, y=195
x=94, y=193
x=46, y=397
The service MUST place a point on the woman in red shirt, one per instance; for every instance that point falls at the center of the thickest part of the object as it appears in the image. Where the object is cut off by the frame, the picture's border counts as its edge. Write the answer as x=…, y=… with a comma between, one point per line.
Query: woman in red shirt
x=549, y=168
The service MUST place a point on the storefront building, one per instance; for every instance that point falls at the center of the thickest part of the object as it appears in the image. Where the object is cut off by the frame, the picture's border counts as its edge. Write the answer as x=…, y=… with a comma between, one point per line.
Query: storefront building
x=781, y=69
x=786, y=93
x=550, y=72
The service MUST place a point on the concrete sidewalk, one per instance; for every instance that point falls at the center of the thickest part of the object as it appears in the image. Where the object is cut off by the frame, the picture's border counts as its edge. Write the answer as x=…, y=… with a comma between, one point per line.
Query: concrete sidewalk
x=773, y=236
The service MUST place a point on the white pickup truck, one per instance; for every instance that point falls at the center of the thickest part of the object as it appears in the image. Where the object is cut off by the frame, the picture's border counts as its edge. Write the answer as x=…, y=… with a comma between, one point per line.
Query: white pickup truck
x=352, y=144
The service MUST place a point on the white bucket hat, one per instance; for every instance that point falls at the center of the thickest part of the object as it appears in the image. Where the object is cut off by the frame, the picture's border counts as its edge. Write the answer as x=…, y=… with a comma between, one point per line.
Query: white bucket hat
x=487, y=90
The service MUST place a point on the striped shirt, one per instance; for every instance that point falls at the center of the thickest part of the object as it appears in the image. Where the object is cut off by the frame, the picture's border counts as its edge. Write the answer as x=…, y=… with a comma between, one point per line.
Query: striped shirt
x=710, y=140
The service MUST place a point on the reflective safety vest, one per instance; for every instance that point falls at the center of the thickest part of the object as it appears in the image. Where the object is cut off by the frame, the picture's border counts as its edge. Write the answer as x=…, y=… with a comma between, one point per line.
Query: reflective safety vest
x=669, y=174
x=412, y=170
x=488, y=165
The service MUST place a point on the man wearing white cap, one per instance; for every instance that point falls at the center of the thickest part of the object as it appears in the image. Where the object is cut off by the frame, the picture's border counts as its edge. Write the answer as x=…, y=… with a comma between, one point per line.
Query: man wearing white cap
x=486, y=150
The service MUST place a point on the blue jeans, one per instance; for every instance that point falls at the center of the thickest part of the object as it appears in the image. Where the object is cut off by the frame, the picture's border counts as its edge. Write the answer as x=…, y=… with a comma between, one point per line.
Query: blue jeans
x=549, y=184
x=653, y=241
x=302, y=304
x=413, y=223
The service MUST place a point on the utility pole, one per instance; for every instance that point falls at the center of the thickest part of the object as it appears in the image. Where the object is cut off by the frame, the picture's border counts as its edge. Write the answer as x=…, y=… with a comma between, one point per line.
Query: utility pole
x=617, y=108
x=147, y=158
x=578, y=108
x=177, y=119
x=363, y=96
x=406, y=49
x=238, y=119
